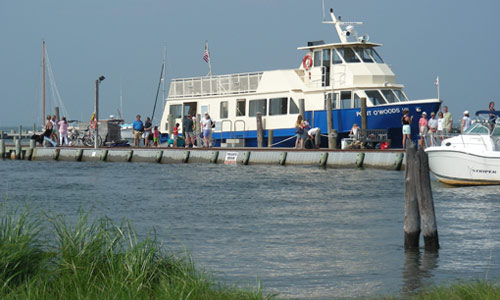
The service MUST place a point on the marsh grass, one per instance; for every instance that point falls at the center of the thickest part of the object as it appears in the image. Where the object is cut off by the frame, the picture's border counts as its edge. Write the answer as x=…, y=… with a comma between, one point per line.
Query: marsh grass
x=97, y=260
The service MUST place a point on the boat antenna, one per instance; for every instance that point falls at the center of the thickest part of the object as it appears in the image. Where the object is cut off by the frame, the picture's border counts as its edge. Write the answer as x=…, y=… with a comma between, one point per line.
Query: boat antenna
x=157, y=92
x=164, y=79
x=323, y=6
x=338, y=23
x=43, y=84
x=121, y=98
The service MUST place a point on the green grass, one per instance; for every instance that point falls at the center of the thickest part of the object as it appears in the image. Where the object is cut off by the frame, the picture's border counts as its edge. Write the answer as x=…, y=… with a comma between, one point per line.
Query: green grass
x=474, y=290
x=47, y=258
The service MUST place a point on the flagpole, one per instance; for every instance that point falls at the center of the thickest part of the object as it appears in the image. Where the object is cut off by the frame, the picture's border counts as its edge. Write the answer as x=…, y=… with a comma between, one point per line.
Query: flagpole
x=209, y=60
x=438, y=84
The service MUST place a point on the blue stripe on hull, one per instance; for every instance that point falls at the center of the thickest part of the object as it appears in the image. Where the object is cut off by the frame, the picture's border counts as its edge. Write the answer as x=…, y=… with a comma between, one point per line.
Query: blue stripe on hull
x=386, y=117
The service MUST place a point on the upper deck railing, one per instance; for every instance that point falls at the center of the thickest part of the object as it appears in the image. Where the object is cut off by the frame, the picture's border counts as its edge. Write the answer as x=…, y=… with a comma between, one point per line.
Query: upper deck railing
x=214, y=85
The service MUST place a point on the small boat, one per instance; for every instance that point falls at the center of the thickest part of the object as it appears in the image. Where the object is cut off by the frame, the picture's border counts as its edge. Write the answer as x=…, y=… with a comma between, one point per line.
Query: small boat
x=471, y=158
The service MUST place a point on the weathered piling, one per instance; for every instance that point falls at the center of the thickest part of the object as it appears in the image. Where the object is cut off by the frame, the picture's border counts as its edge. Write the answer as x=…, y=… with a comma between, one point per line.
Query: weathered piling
x=20, y=133
x=329, y=124
x=270, y=136
x=18, y=149
x=412, y=215
x=2, y=148
x=426, y=202
x=260, y=134
x=364, y=123
x=317, y=138
x=197, y=127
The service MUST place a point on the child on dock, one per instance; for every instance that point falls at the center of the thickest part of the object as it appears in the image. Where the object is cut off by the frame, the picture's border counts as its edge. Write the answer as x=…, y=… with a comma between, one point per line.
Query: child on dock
x=156, y=137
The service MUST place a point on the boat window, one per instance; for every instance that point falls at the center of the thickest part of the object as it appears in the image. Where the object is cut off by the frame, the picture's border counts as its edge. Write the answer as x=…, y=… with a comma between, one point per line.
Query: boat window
x=349, y=55
x=223, y=110
x=332, y=97
x=240, y=107
x=278, y=106
x=357, y=101
x=336, y=57
x=176, y=110
x=326, y=58
x=389, y=96
x=294, y=108
x=317, y=58
x=478, y=129
x=256, y=106
x=375, y=55
x=345, y=99
x=400, y=95
x=496, y=131
x=363, y=53
x=375, y=97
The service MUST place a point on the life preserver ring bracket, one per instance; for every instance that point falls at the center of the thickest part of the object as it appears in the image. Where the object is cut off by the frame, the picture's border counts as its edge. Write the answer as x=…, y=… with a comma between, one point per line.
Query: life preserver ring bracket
x=307, y=62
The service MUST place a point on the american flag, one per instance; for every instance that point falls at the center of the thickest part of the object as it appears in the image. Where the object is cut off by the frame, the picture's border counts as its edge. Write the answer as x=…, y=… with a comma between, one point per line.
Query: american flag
x=206, y=54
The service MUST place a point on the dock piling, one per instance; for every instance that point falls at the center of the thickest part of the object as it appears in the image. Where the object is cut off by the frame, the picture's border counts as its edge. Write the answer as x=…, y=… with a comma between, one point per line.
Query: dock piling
x=2, y=148
x=20, y=133
x=302, y=108
x=426, y=202
x=364, y=124
x=270, y=136
x=412, y=215
x=198, y=130
x=18, y=149
x=329, y=124
x=260, y=135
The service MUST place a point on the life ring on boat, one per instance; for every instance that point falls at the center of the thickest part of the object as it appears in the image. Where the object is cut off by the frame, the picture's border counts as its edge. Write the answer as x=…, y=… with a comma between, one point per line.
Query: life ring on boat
x=307, y=62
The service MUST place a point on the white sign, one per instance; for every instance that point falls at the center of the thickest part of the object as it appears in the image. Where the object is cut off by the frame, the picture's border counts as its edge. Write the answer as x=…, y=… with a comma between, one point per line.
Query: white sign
x=231, y=158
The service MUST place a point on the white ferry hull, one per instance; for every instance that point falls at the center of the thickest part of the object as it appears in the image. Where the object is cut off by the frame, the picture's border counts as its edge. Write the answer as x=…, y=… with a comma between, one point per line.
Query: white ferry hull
x=463, y=168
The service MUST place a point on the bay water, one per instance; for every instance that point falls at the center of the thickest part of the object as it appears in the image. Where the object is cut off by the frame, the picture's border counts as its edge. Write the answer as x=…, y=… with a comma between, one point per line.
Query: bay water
x=303, y=232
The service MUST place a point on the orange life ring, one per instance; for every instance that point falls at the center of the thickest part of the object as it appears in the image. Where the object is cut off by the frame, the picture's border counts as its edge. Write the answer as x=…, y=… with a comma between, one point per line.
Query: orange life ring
x=93, y=124
x=307, y=62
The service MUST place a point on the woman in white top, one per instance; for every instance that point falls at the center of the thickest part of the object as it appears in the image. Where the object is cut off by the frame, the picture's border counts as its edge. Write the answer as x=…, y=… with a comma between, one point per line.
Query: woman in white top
x=440, y=126
x=206, y=124
x=466, y=122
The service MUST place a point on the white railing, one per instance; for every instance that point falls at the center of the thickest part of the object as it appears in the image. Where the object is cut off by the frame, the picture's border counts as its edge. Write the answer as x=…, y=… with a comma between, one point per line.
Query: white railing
x=214, y=85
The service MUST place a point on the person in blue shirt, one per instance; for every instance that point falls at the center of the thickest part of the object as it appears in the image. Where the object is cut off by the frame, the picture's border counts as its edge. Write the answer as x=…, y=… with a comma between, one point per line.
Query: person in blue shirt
x=138, y=129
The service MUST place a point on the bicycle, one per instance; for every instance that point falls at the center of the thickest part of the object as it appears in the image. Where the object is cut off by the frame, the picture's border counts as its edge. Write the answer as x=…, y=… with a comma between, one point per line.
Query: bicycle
x=86, y=138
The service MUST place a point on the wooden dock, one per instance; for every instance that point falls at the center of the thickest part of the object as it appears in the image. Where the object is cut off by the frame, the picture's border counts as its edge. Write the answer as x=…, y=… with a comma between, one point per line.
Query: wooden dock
x=364, y=158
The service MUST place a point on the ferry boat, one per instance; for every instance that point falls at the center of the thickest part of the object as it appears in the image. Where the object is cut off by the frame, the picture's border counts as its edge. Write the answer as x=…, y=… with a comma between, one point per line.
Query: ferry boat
x=471, y=158
x=342, y=73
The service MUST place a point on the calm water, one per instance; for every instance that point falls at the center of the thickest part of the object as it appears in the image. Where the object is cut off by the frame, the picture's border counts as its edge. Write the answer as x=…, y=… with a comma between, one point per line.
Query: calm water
x=304, y=232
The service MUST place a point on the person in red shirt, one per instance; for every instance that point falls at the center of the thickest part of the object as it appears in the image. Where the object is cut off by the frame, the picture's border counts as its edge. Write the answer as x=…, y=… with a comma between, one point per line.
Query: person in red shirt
x=176, y=134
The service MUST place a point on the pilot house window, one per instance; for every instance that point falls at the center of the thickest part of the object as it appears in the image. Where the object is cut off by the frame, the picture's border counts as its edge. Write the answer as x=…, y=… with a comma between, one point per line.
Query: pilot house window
x=176, y=111
x=317, y=58
x=349, y=55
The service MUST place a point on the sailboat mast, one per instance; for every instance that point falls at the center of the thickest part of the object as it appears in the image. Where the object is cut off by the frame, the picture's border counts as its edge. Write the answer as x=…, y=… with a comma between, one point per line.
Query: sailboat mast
x=43, y=84
x=164, y=92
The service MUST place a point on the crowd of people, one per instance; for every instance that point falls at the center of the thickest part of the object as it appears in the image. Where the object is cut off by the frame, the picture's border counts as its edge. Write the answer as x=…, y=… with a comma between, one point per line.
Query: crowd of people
x=306, y=136
x=145, y=131
x=55, y=132
x=432, y=131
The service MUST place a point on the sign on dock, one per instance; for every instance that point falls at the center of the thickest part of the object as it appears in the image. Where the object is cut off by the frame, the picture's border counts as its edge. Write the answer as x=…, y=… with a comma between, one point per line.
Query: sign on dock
x=231, y=158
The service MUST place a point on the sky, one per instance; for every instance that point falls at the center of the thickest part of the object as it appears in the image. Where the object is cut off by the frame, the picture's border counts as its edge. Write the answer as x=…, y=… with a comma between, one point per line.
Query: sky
x=124, y=40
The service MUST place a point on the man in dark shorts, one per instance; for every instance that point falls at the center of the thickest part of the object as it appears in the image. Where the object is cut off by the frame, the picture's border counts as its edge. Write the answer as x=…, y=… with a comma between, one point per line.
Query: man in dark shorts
x=187, y=127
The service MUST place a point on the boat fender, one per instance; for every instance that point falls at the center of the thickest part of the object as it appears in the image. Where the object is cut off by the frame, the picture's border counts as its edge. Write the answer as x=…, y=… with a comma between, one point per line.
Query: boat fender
x=56, y=153
x=214, y=157
x=246, y=157
x=307, y=62
x=159, y=155
x=398, y=162
x=324, y=159
x=283, y=158
x=185, y=159
x=79, y=155
x=104, y=154
x=130, y=155
x=359, y=161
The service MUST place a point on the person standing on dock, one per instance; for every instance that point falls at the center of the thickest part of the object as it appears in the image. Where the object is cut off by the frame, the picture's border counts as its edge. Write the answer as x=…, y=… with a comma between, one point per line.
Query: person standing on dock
x=137, y=128
x=54, y=129
x=406, y=121
x=300, y=132
x=148, y=127
x=422, y=126
x=187, y=127
x=63, y=132
x=433, y=125
x=207, y=130
x=447, y=121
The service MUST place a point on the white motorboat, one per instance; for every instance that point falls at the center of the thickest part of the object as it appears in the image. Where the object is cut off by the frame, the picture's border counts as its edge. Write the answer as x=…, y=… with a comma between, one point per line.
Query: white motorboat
x=471, y=158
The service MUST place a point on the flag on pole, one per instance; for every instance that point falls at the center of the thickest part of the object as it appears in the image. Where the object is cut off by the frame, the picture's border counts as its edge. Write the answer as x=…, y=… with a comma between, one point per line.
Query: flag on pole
x=206, y=54
x=436, y=82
